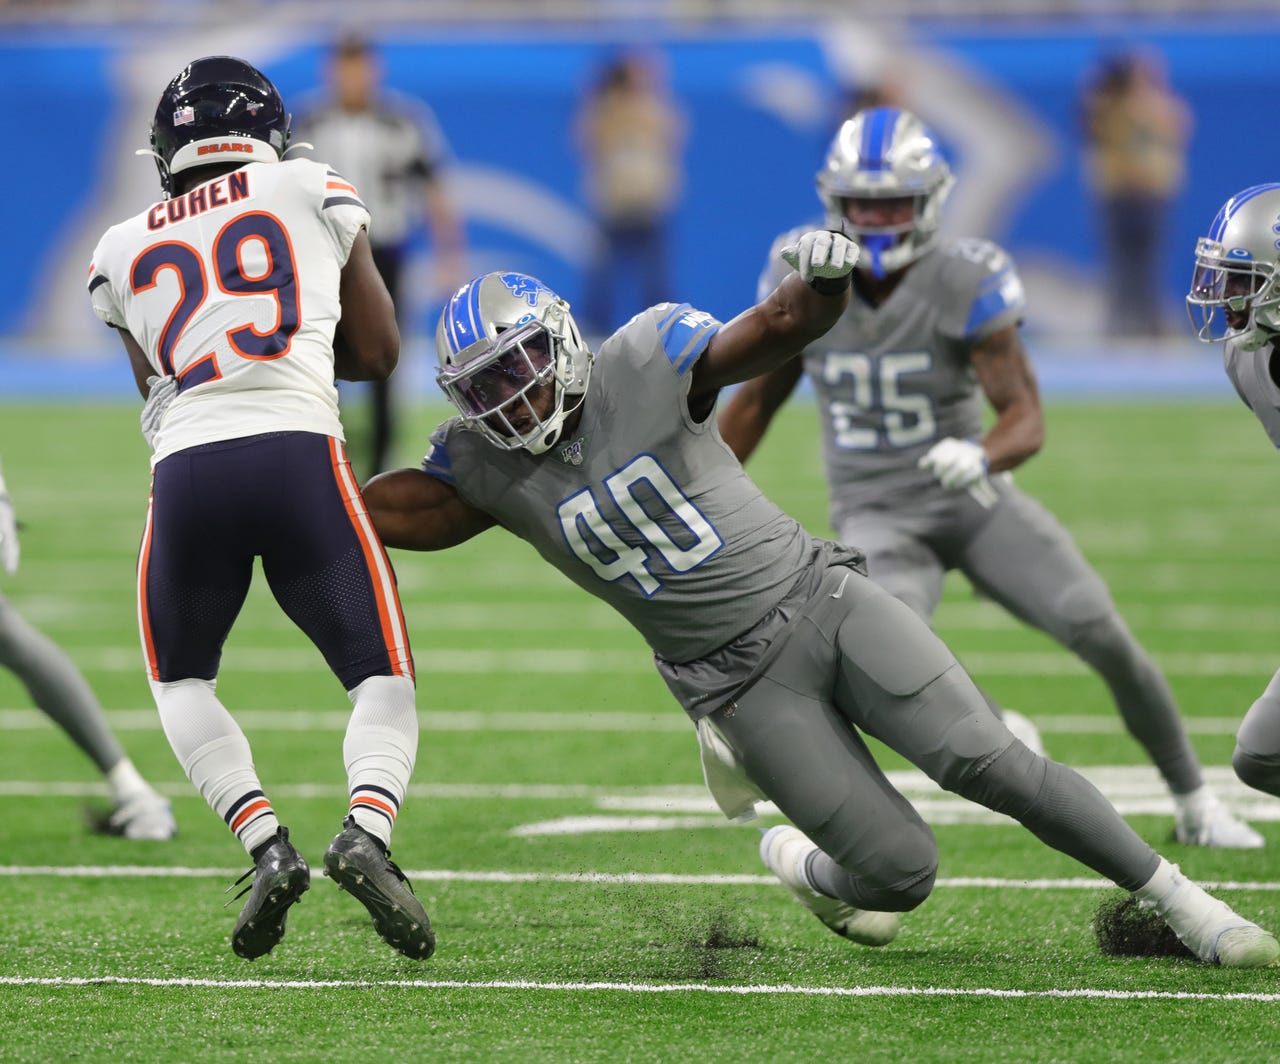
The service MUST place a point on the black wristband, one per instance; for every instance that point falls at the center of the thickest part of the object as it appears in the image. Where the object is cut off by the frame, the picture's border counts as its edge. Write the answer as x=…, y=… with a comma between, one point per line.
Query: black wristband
x=831, y=286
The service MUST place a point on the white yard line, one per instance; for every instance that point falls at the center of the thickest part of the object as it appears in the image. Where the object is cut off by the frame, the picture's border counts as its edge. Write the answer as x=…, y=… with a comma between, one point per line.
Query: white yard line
x=446, y=875
x=761, y=990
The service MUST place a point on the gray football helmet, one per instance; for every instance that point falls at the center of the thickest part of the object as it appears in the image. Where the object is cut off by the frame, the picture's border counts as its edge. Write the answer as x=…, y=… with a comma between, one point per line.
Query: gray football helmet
x=886, y=153
x=502, y=339
x=1236, y=271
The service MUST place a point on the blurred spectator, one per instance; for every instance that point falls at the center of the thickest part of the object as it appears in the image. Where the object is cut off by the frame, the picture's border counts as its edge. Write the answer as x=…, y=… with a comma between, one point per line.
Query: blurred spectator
x=391, y=149
x=1136, y=131
x=630, y=134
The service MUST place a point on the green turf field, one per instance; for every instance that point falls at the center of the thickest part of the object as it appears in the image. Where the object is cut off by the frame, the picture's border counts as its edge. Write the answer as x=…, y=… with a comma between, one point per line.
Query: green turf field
x=590, y=904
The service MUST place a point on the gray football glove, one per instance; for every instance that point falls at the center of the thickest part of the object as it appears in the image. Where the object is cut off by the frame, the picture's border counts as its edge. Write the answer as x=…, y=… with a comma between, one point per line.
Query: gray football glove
x=821, y=253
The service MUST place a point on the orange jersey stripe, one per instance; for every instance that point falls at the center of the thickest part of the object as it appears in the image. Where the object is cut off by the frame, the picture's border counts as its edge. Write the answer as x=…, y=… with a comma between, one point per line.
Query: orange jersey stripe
x=384, y=587
x=245, y=813
x=144, y=618
x=343, y=186
x=363, y=800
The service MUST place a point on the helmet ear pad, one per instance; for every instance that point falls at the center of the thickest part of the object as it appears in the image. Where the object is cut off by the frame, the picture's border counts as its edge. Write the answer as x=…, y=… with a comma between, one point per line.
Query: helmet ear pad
x=217, y=109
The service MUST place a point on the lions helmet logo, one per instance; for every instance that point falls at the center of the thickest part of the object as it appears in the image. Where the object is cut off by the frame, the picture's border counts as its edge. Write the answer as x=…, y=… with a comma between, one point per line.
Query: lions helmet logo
x=524, y=287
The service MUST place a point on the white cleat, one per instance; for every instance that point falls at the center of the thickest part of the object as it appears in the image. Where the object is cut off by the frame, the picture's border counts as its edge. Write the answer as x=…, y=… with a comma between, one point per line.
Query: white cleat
x=144, y=815
x=1023, y=730
x=784, y=850
x=1211, y=929
x=1200, y=819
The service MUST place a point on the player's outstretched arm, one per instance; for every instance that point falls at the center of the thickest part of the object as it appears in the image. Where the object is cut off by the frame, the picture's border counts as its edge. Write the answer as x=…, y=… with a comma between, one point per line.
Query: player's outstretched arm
x=1007, y=380
x=746, y=416
x=415, y=511
x=803, y=307
x=366, y=343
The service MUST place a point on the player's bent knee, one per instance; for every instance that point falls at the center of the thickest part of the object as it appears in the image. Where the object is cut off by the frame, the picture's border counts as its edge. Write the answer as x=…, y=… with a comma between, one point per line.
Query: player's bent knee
x=1259, y=771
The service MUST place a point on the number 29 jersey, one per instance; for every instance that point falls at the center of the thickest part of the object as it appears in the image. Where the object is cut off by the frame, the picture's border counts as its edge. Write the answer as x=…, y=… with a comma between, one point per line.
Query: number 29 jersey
x=233, y=288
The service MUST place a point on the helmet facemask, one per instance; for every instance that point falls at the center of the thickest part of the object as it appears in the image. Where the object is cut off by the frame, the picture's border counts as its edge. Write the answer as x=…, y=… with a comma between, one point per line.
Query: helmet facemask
x=518, y=387
x=1246, y=291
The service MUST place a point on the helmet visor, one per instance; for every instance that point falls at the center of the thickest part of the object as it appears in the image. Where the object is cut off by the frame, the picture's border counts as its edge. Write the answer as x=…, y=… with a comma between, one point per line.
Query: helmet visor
x=518, y=361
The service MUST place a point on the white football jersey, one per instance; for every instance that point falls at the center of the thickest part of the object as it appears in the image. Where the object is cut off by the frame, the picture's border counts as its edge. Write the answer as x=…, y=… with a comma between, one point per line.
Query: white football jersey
x=233, y=288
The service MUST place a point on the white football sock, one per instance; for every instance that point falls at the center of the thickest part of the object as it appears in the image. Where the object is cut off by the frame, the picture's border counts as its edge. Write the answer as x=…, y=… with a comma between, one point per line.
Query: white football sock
x=215, y=755
x=379, y=751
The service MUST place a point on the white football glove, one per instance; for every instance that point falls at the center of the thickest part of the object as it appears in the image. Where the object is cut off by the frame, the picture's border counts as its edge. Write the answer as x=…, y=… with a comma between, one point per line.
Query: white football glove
x=163, y=390
x=8, y=532
x=821, y=253
x=956, y=463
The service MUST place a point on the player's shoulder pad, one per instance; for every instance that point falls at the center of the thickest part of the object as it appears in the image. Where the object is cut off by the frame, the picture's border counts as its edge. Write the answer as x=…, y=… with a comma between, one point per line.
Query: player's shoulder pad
x=683, y=332
x=981, y=278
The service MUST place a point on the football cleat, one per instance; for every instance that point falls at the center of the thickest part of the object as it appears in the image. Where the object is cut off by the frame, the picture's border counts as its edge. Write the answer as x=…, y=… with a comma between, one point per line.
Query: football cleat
x=145, y=815
x=280, y=878
x=784, y=850
x=1200, y=819
x=360, y=865
x=1211, y=929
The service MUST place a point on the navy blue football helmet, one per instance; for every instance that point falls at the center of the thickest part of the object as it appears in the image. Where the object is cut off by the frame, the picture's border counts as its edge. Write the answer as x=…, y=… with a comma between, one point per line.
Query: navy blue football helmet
x=215, y=101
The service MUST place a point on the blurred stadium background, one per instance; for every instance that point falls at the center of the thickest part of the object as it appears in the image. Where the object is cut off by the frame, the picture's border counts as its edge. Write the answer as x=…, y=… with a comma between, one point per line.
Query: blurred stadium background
x=763, y=85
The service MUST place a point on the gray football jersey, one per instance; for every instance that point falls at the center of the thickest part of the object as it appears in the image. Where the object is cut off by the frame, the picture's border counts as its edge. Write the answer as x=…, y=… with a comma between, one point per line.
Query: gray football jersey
x=891, y=381
x=641, y=505
x=1250, y=372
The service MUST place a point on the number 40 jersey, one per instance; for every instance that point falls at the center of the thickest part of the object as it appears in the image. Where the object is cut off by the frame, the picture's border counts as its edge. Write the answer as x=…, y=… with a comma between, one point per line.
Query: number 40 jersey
x=640, y=504
x=233, y=288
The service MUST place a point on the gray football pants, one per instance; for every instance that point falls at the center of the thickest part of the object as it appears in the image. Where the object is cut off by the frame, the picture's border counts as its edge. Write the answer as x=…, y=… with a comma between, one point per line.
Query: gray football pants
x=1257, y=754
x=1021, y=557
x=862, y=660
x=56, y=686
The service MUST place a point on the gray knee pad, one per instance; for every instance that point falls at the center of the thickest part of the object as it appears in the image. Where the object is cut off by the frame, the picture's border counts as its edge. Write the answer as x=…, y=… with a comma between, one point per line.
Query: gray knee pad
x=895, y=879
x=1259, y=771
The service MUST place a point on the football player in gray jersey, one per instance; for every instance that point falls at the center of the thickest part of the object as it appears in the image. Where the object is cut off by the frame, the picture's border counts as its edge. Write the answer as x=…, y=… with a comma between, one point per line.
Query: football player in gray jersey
x=1237, y=272
x=771, y=640
x=900, y=380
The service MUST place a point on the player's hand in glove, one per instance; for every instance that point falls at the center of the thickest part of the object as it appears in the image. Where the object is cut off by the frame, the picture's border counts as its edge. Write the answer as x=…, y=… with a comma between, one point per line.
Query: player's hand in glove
x=821, y=253
x=8, y=532
x=955, y=463
x=163, y=390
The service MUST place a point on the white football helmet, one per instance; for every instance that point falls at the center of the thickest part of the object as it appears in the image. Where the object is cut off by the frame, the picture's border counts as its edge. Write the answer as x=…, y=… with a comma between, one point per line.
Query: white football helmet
x=502, y=339
x=1236, y=271
x=886, y=153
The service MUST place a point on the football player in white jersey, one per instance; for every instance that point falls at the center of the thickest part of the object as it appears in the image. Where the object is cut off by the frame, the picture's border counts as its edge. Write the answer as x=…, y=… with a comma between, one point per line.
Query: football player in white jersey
x=776, y=646
x=62, y=693
x=930, y=337
x=1235, y=298
x=238, y=297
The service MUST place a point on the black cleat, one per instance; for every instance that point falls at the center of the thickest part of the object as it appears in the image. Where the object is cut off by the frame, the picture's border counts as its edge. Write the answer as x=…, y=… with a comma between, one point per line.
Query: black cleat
x=357, y=862
x=280, y=877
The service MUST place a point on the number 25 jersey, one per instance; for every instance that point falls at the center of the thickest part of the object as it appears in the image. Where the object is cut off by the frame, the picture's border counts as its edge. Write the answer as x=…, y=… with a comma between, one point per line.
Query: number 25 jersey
x=233, y=288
